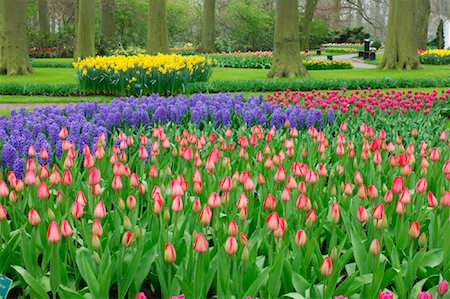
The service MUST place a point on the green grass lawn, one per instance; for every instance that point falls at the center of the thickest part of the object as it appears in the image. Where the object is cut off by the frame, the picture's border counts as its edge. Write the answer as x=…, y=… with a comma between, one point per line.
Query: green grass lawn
x=53, y=60
x=47, y=99
x=67, y=75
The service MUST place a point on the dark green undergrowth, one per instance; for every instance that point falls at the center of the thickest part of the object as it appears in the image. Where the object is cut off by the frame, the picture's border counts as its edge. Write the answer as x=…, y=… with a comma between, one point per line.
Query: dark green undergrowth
x=243, y=86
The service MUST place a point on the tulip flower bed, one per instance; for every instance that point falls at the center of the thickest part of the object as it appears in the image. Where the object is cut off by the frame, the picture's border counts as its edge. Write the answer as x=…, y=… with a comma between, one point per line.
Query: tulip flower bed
x=435, y=56
x=141, y=74
x=372, y=101
x=229, y=206
x=263, y=60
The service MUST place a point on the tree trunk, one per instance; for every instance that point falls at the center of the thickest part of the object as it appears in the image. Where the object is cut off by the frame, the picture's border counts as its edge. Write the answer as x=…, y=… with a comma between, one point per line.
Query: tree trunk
x=158, y=36
x=86, y=29
x=422, y=20
x=400, y=43
x=310, y=8
x=108, y=24
x=286, y=60
x=335, y=23
x=44, y=21
x=208, y=26
x=14, y=59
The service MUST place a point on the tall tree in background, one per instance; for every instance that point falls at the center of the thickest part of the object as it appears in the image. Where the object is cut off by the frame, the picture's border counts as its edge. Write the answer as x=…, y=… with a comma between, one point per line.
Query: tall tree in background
x=208, y=26
x=85, y=37
x=335, y=23
x=14, y=59
x=400, y=42
x=108, y=24
x=158, y=36
x=422, y=20
x=310, y=8
x=44, y=20
x=440, y=35
x=286, y=61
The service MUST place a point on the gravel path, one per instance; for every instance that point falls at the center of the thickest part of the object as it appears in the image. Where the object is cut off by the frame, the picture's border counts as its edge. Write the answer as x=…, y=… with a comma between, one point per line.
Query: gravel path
x=348, y=57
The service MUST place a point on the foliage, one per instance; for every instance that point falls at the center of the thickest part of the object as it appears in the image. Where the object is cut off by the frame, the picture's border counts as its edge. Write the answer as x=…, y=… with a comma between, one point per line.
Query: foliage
x=348, y=35
x=160, y=195
x=141, y=74
x=319, y=32
x=244, y=26
x=51, y=45
x=182, y=16
x=435, y=56
x=131, y=25
x=376, y=44
x=341, y=50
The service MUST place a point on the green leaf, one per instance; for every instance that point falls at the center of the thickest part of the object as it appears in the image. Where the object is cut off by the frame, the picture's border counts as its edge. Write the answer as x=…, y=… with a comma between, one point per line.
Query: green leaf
x=144, y=267
x=360, y=253
x=85, y=264
x=293, y=296
x=68, y=293
x=35, y=286
x=130, y=271
x=276, y=270
x=299, y=283
x=256, y=285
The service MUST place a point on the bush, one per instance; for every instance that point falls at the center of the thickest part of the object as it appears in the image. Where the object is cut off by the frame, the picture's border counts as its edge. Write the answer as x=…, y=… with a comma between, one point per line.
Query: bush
x=141, y=74
x=376, y=44
x=341, y=50
x=348, y=35
x=50, y=64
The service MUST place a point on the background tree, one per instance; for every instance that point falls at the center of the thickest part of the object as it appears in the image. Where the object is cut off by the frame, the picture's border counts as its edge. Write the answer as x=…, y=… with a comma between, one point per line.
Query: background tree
x=286, y=60
x=158, y=39
x=108, y=25
x=440, y=35
x=85, y=39
x=310, y=8
x=44, y=20
x=400, y=42
x=208, y=27
x=14, y=59
x=422, y=21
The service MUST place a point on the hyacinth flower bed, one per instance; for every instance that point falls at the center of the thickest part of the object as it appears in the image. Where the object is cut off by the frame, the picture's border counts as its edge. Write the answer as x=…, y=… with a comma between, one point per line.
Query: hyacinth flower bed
x=141, y=74
x=263, y=60
x=368, y=100
x=123, y=201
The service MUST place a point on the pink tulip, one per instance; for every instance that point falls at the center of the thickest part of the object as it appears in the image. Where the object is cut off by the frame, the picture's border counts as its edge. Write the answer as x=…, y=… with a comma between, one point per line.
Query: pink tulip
x=53, y=234
x=66, y=230
x=33, y=217
x=200, y=244
x=442, y=287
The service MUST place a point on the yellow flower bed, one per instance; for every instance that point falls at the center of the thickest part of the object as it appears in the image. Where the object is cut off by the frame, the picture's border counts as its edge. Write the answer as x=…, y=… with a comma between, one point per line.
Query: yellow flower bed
x=440, y=53
x=141, y=74
x=435, y=56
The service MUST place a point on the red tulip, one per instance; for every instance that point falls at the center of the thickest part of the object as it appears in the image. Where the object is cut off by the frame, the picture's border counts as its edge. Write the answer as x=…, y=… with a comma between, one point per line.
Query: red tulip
x=398, y=185
x=66, y=230
x=421, y=185
x=177, y=204
x=205, y=215
x=67, y=178
x=374, y=247
x=53, y=234
x=311, y=217
x=42, y=191
x=280, y=175
x=33, y=217
x=200, y=244
x=405, y=197
x=29, y=178
x=117, y=183
x=335, y=213
x=80, y=198
x=225, y=184
x=442, y=287
x=414, y=230
x=362, y=215
x=378, y=212
x=77, y=210
x=231, y=245
x=232, y=228
x=432, y=201
x=170, y=255
x=326, y=268
x=55, y=178
x=300, y=238
x=214, y=200
x=385, y=295
x=445, y=199
x=100, y=211
x=196, y=206
x=97, y=228
x=127, y=238
x=273, y=221
x=44, y=173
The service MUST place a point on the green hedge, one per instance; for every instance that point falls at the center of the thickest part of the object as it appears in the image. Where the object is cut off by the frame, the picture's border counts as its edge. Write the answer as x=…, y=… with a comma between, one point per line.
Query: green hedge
x=243, y=86
x=47, y=64
x=434, y=59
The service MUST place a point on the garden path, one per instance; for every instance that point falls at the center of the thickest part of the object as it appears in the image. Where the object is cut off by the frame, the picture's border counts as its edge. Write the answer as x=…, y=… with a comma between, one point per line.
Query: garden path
x=348, y=57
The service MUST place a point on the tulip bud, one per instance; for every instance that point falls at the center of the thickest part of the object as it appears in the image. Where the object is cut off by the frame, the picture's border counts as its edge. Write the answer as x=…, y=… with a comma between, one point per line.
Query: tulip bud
x=121, y=204
x=97, y=228
x=326, y=267
x=137, y=232
x=378, y=211
x=131, y=202
x=77, y=210
x=335, y=213
x=232, y=228
x=100, y=211
x=66, y=230
x=127, y=239
x=50, y=214
x=414, y=230
x=423, y=240
x=374, y=247
x=310, y=218
x=245, y=254
x=127, y=223
x=442, y=287
x=362, y=214
x=96, y=242
x=334, y=253
x=43, y=191
x=300, y=238
x=170, y=255
x=231, y=245
x=272, y=221
x=33, y=217
x=200, y=244
x=53, y=234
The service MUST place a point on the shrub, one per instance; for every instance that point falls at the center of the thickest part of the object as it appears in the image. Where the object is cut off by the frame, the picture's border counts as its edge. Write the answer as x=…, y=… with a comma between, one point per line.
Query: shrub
x=141, y=74
x=341, y=50
x=376, y=44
